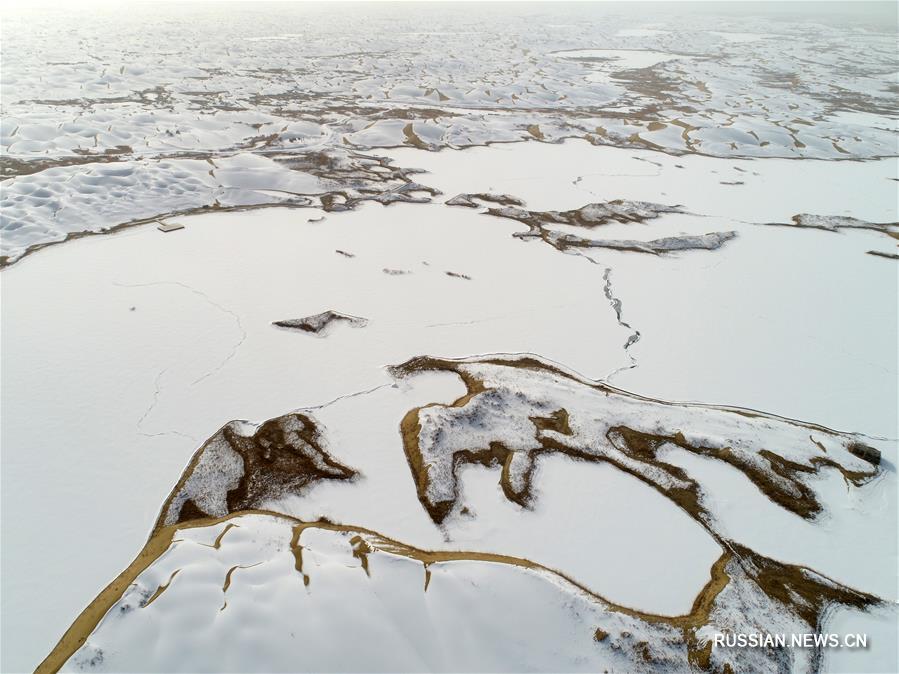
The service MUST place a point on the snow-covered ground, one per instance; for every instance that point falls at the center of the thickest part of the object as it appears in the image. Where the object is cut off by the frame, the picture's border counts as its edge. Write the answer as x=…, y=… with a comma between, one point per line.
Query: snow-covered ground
x=188, y=315
x=776, y=304
x=108, y=305
x=575, y=403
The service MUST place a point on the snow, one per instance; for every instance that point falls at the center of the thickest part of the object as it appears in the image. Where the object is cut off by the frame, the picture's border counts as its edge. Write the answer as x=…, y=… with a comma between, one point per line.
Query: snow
x=51, y=205
x=225, y=361
x=853, y=524
x=76, y=98
x=622, y=59
x=210, y=607
x=596, y=419
x=287, y=144
x=583, y=522
x=772, y=190
x=320, y=324
x=788, y=301
x=199, y=350
x=878, y=626
x=474, y=615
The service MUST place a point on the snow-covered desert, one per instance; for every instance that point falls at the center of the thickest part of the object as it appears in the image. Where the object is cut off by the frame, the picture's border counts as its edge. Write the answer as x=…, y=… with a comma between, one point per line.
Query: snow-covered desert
x=411, y=337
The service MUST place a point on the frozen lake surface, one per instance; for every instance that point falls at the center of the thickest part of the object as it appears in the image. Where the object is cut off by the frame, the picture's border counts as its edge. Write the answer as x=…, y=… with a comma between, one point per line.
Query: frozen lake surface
x=552, y=337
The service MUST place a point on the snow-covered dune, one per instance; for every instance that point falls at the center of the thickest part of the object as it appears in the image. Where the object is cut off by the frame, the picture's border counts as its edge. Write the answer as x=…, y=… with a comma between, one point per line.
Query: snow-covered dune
x=449, y=337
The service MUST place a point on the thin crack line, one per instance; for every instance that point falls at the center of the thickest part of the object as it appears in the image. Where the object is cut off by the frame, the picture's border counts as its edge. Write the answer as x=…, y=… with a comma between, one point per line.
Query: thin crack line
x=616, y=305
x=156, y=393
x=210, y=301
x=155, y=399
x=161, y=433
x=346, y=396
x=484, y=319
x=634, y=337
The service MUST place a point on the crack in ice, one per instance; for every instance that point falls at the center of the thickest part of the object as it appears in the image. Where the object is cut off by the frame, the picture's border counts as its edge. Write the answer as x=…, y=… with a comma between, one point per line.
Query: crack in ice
x=633, y=338
x=161, y=433
x=155, y=399
x=209, y=300
x=157, y=390
x=345, y=396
